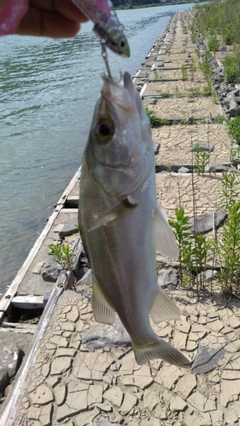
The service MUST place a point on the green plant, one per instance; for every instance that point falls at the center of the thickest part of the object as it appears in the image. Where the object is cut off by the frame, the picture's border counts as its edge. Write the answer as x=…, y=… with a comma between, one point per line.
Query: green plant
x=194, y=92
x=235, y=153
x=230, y=190
x=154, y=120
x=182, y=230
x=208, y=90
x=201, y=159
x=193, y=68
x=230, y=249
x=165, y=94
x=184, y=73
x=156, y=74
x=234, y=128
x=63, y=255
x=213, y=44
x=219, y=119
x=178, y=94
x=231, y=68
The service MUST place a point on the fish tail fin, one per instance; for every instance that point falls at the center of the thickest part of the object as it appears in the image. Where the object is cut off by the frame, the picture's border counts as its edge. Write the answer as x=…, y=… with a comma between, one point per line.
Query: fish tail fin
x=160, y=349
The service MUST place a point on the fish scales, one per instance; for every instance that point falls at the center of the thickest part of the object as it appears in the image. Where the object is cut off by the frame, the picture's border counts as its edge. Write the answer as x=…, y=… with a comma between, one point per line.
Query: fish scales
x=119, y=220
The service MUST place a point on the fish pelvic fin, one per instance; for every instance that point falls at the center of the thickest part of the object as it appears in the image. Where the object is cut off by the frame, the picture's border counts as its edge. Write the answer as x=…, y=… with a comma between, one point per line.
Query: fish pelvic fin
x=163, y=350
x=164, y=308
x=102, y=310
x=163, y=236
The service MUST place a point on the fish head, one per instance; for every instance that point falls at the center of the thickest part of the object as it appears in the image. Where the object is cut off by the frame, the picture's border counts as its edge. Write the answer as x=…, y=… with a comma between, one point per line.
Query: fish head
x=119, y=152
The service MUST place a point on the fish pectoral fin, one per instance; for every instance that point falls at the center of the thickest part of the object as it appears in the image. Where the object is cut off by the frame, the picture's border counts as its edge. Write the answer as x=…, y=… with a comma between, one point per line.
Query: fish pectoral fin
x=102, y=310
x=113, y=214
x=163, y=350
x=163, y=236
x=164, y=308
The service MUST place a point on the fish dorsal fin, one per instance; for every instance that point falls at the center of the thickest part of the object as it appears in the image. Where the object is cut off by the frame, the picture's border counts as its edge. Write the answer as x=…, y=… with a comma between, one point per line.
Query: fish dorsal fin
x=117, y=211
x=164, y=308
x=102, y=310
x=163, y=236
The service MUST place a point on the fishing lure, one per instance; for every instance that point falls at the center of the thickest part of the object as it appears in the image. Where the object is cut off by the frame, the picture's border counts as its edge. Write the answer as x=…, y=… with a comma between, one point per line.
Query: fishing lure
x=107, y=26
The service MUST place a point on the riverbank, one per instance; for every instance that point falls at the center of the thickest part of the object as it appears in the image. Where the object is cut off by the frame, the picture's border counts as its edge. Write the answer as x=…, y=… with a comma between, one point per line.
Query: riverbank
x=83, y=373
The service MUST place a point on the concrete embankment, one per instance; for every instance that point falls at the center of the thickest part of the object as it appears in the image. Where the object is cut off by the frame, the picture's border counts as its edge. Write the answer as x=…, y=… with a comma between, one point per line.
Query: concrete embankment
x=83, y=373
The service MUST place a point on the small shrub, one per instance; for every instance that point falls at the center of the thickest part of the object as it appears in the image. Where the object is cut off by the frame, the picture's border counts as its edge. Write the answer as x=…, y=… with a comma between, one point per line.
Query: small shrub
x=234, y=128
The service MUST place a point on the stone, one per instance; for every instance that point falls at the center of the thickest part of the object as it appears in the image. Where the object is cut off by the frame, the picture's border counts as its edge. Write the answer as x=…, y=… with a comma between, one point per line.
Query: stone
x=69, y=229
x=60, y=365
x=114, y=395
x=207, y=359
x=51, y=272
x=10, y=360
x=42, y=395
x=216, y=168
x=128, y=403
x=184, y=170
x=101, y=336
x=167, y=278
x=104, y=422
x=202, y=148
x=203, y=223
x=186, y=385
x=205, y=276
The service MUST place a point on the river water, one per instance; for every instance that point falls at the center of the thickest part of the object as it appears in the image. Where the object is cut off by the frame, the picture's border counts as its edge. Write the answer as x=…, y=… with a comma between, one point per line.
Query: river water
x=48, y=90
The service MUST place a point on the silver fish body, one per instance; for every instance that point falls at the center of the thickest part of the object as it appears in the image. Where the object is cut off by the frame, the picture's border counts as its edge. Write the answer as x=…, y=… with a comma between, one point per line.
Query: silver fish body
x=107, y=26
x=121, y=223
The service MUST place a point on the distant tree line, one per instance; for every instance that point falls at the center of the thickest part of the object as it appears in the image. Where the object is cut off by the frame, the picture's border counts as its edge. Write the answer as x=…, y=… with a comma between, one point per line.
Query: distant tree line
x=129, y=3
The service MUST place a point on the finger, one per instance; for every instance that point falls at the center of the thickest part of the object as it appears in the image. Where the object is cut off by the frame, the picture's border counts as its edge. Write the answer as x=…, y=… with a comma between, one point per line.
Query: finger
x=47, y=24
x=64, y=7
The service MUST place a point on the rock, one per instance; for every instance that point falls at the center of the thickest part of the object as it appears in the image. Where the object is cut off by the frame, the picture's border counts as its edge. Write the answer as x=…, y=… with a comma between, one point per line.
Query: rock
x=234, y=108
x=156, y=147
x=218, y=168
x=206, y=276
x=104, y=422
x=184, y=170
x=10, y=360
x=203, y=223
x=202, y=148
x=207, y=359
x=101, y=336
x=51, y=272
x=69, y=229
x=167, y=278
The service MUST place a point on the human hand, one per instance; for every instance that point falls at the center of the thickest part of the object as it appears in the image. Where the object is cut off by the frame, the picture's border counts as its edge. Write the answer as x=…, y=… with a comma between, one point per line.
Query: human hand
x=48, y=18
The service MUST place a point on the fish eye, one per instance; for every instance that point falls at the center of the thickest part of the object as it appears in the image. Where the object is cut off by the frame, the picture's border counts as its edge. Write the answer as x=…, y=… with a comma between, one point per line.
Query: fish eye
x=104, y=130
x=121, y=43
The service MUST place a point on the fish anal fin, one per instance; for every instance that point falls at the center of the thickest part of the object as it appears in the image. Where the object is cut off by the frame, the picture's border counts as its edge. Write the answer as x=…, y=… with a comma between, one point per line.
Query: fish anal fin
x=163, y=236
x=163, y=350
x=164, y=308
x=103, y=312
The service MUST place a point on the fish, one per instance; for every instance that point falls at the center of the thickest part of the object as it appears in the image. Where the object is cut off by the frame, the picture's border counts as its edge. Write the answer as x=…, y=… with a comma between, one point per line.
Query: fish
x=121, y=223
x=107, y=26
